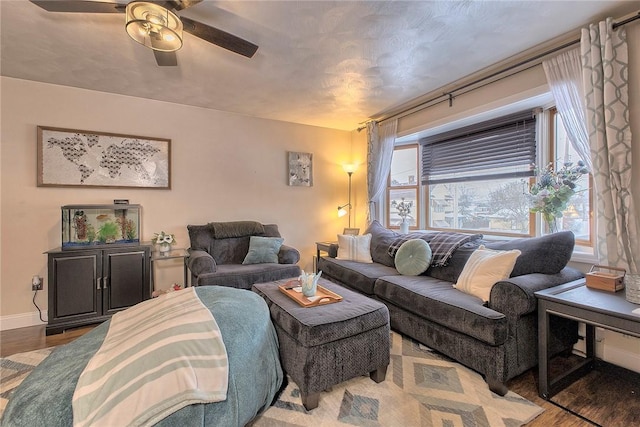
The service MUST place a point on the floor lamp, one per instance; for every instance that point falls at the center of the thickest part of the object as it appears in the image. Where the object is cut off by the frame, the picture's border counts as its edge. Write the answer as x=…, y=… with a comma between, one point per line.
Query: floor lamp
x=349, y=169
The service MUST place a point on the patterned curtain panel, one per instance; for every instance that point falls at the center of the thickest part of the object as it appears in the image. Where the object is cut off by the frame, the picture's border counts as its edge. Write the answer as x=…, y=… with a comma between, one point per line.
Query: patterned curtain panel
x=564, y=75
x=605, y=75
x=380, y=140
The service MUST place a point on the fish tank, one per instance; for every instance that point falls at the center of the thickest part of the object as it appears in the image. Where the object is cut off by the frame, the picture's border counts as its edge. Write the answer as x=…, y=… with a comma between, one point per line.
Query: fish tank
x=95, y=226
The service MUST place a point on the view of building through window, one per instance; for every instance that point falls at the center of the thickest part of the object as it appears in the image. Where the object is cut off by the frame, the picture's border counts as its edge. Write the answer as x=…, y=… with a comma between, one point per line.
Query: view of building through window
x=498, y=206
x=403, y=185
x=576, y=217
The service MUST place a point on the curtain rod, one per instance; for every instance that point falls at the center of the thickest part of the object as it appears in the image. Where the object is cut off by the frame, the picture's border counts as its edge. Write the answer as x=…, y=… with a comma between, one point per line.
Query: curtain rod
x=450, y=95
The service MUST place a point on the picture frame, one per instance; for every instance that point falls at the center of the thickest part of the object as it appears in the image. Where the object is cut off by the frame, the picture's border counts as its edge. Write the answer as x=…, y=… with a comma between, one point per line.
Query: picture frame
x=81, y=158
x=300, y=171
x=351, y=231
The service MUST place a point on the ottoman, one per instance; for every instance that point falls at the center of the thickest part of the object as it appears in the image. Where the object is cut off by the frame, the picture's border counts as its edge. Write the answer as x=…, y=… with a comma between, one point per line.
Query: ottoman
x=325, y=345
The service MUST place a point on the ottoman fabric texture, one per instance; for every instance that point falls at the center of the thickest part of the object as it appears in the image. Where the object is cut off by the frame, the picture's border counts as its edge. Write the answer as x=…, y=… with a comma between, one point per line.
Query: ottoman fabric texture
x=325, y=345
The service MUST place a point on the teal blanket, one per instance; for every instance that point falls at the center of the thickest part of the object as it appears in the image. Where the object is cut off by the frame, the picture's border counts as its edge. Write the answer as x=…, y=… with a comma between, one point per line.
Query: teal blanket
x=255, y=376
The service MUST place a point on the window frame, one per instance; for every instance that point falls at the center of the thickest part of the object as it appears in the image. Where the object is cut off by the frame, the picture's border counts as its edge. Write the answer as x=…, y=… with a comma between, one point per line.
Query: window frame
x=552, y=143
x=417, y=212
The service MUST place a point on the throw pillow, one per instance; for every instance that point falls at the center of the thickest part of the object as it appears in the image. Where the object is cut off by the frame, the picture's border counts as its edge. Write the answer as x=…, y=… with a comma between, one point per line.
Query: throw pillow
x=413, y=257
x=354, y=248
x=263, y=250
x=484, y=269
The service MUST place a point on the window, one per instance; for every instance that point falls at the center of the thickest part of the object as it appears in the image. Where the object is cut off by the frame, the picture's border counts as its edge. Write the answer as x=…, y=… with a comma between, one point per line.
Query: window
x=403, y=185
x=577, y=217
x=477, y=177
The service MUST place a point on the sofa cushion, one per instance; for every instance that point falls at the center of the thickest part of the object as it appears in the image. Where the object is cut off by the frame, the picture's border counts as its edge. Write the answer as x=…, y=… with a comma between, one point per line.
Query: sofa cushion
x=452, y=270
x=263, y=250
x=441, y=303
x=484, y=268
x=356, y=275
x=381, y=239
x=413, y=257
x=243, y=276
x=354, y=248
x=547, y=254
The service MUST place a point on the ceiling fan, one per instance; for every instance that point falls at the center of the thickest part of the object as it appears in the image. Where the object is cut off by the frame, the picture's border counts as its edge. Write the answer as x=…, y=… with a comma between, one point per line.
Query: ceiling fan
x=156, y=25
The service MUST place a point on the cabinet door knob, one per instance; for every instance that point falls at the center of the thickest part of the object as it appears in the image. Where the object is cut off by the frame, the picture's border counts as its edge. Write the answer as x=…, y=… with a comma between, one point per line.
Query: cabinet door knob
x=105, y=282
x=98, y=280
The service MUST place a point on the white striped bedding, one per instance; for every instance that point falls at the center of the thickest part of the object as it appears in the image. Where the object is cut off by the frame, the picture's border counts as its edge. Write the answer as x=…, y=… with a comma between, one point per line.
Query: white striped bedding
x=158, y=356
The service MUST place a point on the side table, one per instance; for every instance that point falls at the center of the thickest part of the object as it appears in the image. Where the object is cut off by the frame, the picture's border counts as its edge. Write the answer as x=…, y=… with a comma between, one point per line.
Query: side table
x=321, y=247
x=595, y=308
x=174, y=253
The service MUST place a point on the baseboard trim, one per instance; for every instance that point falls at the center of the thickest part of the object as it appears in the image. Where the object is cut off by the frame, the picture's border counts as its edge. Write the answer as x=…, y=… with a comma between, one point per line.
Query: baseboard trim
x=22, y=320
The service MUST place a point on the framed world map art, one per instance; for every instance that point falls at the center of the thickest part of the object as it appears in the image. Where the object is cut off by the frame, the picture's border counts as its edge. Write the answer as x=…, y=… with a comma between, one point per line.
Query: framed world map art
x=80, y=158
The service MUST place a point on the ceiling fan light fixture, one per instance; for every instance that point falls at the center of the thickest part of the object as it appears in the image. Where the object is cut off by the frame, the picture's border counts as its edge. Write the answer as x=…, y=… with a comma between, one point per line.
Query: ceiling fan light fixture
x=154, y=26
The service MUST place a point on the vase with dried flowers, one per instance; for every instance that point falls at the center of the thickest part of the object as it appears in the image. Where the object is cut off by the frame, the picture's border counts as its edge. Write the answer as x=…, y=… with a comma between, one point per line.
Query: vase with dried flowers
x=551, y=193
x=404, y=211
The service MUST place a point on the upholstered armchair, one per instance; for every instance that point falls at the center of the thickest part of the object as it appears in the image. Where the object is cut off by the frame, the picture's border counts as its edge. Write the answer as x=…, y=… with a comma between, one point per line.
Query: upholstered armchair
x=239, y=254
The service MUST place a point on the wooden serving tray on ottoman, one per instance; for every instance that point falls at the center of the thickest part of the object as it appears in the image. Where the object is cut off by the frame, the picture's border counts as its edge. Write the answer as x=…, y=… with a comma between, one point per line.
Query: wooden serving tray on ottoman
x=323, y=295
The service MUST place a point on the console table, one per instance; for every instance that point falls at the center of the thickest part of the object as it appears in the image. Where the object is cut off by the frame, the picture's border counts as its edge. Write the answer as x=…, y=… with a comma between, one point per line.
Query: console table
x=574, y=300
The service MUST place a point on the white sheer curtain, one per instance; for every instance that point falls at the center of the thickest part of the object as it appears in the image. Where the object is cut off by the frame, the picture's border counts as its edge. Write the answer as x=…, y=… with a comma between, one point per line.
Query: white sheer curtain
x=380, y=141
x=605, y=74
x=564, y=75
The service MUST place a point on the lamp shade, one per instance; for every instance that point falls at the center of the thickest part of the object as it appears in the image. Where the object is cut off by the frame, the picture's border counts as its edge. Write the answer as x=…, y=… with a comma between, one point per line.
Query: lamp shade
x=154, y=26
x=350, y=168
x=342, y=211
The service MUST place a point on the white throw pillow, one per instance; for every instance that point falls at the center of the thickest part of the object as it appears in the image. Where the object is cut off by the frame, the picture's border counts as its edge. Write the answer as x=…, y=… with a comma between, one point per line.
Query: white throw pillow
x=354, y=248
x=484, y=268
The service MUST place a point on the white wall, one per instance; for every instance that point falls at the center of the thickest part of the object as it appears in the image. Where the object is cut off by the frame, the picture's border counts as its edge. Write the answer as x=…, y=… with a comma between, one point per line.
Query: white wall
x=224, y=167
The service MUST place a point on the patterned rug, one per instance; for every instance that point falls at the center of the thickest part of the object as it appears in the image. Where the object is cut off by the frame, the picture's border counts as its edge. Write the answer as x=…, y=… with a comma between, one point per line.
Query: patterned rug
x=422, y=388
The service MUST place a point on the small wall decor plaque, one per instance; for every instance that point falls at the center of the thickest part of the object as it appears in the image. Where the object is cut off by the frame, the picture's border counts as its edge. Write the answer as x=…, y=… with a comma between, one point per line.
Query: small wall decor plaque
x=300, y=169
x=79, y=158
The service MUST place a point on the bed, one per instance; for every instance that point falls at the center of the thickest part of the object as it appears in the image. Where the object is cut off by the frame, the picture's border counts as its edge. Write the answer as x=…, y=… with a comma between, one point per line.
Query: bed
x=255, y=375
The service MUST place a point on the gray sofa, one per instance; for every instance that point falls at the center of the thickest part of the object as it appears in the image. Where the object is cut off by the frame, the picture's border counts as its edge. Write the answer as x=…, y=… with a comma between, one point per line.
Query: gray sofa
x=498, y=338
x=218, y=250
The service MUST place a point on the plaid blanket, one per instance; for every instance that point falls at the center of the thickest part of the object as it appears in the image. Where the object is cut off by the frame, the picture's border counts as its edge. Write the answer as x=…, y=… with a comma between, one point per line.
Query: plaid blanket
x=443, y=244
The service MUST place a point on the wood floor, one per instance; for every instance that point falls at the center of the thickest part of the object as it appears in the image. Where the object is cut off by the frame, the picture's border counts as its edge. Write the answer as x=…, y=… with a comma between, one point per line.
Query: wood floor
x=33, y=338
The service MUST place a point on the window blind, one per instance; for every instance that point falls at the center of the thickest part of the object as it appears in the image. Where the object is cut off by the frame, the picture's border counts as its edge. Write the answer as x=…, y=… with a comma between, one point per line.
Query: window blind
x=499, y=148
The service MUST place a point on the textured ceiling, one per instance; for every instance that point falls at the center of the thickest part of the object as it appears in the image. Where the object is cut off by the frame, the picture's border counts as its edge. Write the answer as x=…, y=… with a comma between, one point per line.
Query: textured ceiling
x=323, y=63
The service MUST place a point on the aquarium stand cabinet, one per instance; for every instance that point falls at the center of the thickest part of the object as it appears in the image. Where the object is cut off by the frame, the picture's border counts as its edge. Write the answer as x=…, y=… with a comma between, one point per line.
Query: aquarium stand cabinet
x=87, y=286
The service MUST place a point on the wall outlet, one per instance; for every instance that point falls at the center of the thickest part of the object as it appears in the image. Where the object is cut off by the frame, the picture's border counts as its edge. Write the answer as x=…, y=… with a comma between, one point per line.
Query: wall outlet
x=36, y=283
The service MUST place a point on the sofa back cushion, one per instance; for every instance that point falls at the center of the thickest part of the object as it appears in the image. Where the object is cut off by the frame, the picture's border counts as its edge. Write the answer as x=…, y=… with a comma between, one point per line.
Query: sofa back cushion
x=545, y=254
x=381, y=239
x=454, y=267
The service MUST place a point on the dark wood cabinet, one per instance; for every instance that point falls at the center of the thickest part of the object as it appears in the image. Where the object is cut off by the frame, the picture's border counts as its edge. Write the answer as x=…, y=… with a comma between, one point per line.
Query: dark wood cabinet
x=89, y=286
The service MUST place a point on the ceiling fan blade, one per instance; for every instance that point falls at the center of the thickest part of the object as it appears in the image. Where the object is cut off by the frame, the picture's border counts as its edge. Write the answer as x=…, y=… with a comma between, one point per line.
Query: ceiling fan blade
x=166, y=59
x=219, y=37
x=79, y=6
x=182, y=4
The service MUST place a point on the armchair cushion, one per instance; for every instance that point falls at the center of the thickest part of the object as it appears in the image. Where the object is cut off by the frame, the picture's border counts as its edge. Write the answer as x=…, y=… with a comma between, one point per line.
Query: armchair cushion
x=263, y=250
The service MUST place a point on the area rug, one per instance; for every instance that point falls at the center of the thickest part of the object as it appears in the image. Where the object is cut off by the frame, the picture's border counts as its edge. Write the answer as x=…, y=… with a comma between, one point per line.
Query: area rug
x=422, y=388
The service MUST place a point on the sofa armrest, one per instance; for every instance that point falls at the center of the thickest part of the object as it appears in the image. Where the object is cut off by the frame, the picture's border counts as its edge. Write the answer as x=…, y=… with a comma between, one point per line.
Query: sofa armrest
x=288, y=255
x=200, y=262
x=514, y=297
